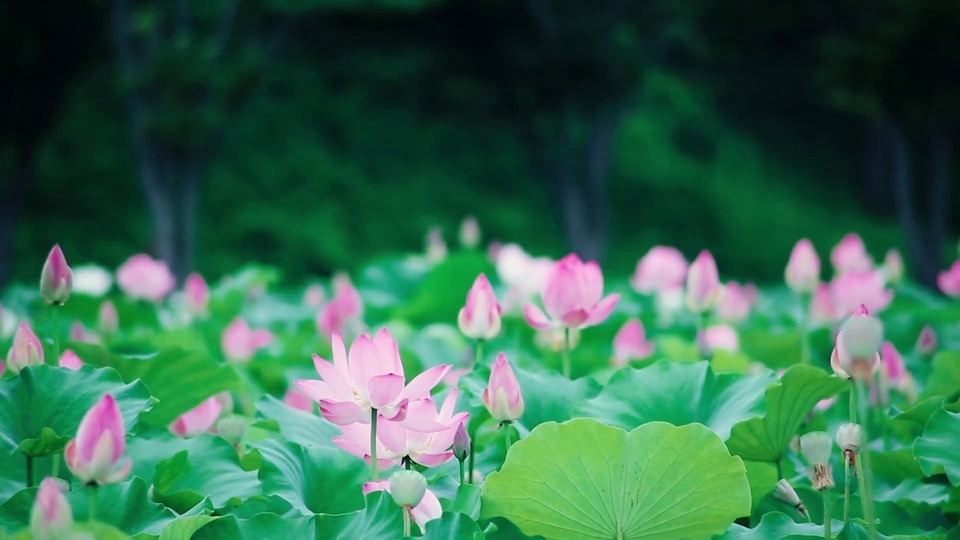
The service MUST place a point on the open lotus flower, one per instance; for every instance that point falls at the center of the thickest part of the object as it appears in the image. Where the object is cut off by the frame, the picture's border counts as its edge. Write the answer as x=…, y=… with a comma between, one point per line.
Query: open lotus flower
x=428, y=509
x=949, y=281
x=51, y=517
x=663, y=268
x=96, y=454
x=859, y=287
x=92, y=280
x=240, y=343
x=143, y=277
x=70, y=360
x=572, y=296
x=295, y=399
x=197, y=293
x=803, y=269
x=26, y=349
x=198, y=419
x=631, y=343
x=56, y=279
x=345, y=307
x=845, y=362
x=850, y=255
x=480, y=317
x=371, y=377
x=734, y=304
x=502, y=395
x=703, y=283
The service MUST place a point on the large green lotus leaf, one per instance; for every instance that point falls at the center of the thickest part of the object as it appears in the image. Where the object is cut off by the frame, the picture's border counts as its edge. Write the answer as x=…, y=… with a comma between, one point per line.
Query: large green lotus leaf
x=297, y=426
x=97, y=530
x=466, y=501
x=858, y=531
x=774, y=525
x=453, y=526
x=444, y=290
x=788, y=403
x=381, y=519
x=896, y=465
x=937, y=448
x=258, y=527
x=313, y=479
x=678, y=393
x=583, y=479
x=774, y=349
x=919, y=413
x=762, y=477
x=944, y=379
x=178, y=378
x=185, y=527
x=42, y=406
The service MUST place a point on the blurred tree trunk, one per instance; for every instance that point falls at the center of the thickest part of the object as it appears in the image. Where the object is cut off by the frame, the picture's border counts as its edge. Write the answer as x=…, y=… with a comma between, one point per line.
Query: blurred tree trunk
x=12, y=202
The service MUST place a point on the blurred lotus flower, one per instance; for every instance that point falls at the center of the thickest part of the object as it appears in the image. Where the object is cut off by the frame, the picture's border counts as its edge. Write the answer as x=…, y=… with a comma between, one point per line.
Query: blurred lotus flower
x=822, y=310
x=436, y=247
x=703, y=283
x=502, y=395
x=79, y=333
x=927, y=342
x=92, y=280
x=855, y=353
x=108, y=321
x=825, y=404
x=70, y=360
x=734, y=304
x=51, y=517
x=554, y=338
x=524, y=275
x=3, y=367
x=480, y=317
x=856, y=287
x=893, y=267
x=469, y=232
x=26, y=349
x=572, y=296
x=850, y=255
x=720, y=337
x=143, y=277
x=296, y=400
x=343, y=308
x=428, y=509
x=198, y=419
x=96, y=454
x=240, y=343
x=662, y=269
x=949, y=281
x=893, y=368
x=371, y=377
x=803, y=269
x=197, y=293
x=313, y=297
x=631, y=343
x=56, y=279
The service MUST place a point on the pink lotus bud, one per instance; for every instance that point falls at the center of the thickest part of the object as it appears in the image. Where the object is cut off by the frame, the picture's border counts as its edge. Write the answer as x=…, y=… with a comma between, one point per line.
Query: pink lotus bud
x=461, y=442
x=240, y=343
x=197, y=293
x=79, y=333
x=480, y=317
x=803, y=269
x=949, y=281
x=70, y=360
x=572, y=296
x=893, y=368
x=143, y=277
x=631, y=343
x=198, y=419
x=703, y=283
x=721, y=337
x=502, y=395
x=26, y=349
x=469, y=232
x=51, y=517
x=850, y=255
x=855, y=354
x=663, y=268
x=734, y=303
x=927, y=342
x=314, y=295
x=436, y=247
x=893, y=267
x=107, y=319
x=96, y=454
x=345, y=307
x=296, y=400
x=822, y=310
x=855, y=288
x=56, y=279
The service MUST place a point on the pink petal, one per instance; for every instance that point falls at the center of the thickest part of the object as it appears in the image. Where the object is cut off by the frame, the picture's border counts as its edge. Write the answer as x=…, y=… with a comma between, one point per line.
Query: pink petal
x=422, y=384
x=536, y=318
x=334, y=378
x=601, y=311
x=389, y=351
x=393, y=436
x=432, y=460
x=318, y=391
x=592, y=279
x=342, y=412
x=364, y=363
x=384, y=389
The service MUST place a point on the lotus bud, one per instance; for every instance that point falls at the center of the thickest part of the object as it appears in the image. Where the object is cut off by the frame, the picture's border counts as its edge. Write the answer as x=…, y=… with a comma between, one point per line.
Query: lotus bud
x=107, y=319
x=197, y=293
x=949, y=281
x=927, y=342
x=703, y=283
x=314, y=296
x=408, y=488
x=803, y=269
x=198, y=419
x=502, y=395
x=51, y=517
x=893, y=267
x=96, y=454
x=56, y=279
x=70, y=360
x=469, y=232
x=859, y=341
x=26, y=349
x=461, y=442
x=480, y=317
x=785, y=493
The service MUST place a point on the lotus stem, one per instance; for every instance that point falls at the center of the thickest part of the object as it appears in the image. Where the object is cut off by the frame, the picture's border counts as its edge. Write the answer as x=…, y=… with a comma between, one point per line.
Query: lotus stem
x=863, y=464
x=846, y=491
x=29, y=472
x=478, y=352
x=93, y=502
x=406, y=521
x=461, y=471
x=56, y=334
x=804, y=329
x=827, y=533
x=566, y=352
x=374, y=468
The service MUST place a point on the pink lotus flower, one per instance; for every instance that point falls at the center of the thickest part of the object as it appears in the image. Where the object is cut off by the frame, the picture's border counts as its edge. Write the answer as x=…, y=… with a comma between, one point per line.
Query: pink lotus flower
x=480, y=317
x=822, y=310
x=469, y=232
x=703, y=283
x=296, y=400
x=523, y=274
x=572, y=296
x=721, y=337
x=96, y=454
x=197, y=293
x=893, y=267
x=26, y=349
x=56, y=279
x=345, y=307
x=734, y=303
x=927, y=342
x=631, y=343
x=314, y=295
x=370, y=378
x=108, y=321
x=143, y=277
x=198, y=419
x=841, y=359
x=663, y=268
x=3, y=367
x=949, y=281
x=803, y=269
x=240, y=343
x=79, y=333
x=850, y=255
x=428, y=509
x=70, y=360
x=51, y=517
x=848, y=291
x=502, y=395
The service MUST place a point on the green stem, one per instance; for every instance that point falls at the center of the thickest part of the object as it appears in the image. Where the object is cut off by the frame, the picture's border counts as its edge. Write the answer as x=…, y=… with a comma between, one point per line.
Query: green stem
x=506, y=435
x=55, y=469
x=804, y=329
x=827, y=533
x=93, y=503
x=29, y=472
x=407, y=463
x=853, y=405
x=56, y=335
x=472, y=454
x=779, y=468
x=863, y=464
x=478, y=354
x=374, y=468
x=701, y=337
x=461, y=471
x=566, y=352
x=406, y=521
x=846, y=491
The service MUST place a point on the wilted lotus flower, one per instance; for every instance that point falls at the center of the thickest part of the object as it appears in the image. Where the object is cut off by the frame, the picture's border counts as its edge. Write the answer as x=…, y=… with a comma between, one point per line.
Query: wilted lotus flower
x=855, y=288
x=816, y=448
x=143, y=277
x=856, y=351
x=572, y=296
x=822, y=310
x=631, y=343
x=893, y=267
x=295, y=399
x=850, y=255
x=96, y=454
x=502, y=395
x=785, y=493
x=803, y=269
x=428, y=509
x=198, y=419
x=197, y=293
x=70, y=360
x=469, y=232
x=240, y=343
x=436, y=247
x=850, y=437
x=26, y=349
x=734, y=303
x=949, y=281
x=927, y=342
x=662, y=269
x=107, y=319
x=314, y=295
x=703, y=283
x=345, y=307
x=56, y=279
x=480, y=317
x=51, y=517
x=92, y=280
